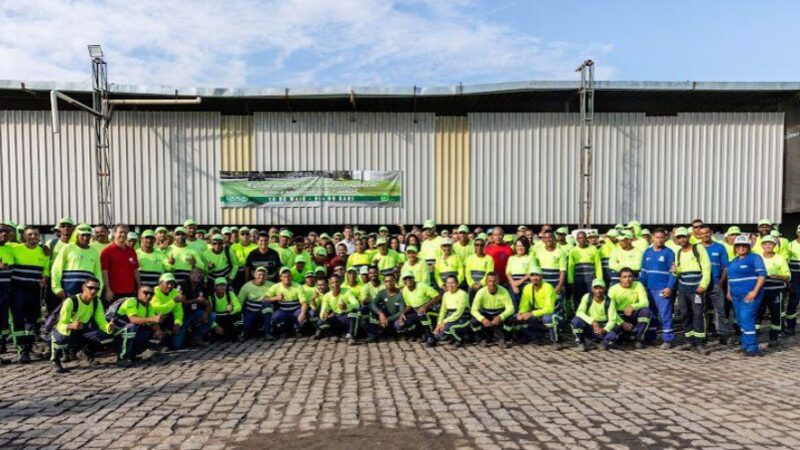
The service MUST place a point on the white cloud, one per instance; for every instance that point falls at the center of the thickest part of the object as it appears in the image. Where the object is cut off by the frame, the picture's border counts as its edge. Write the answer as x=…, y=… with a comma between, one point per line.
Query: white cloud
x=279, y=43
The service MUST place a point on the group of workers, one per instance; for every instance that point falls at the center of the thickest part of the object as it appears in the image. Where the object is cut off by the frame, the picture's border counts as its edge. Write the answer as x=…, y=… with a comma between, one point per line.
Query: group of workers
x=92, y=290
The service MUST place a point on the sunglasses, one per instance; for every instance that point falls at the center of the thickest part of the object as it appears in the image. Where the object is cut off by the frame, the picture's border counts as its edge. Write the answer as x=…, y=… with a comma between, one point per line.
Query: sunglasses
x=148, y=293
x=93, y=288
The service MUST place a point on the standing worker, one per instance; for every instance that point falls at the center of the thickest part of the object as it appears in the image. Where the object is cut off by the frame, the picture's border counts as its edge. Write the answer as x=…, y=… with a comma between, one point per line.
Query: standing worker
x=693, y=269
x=778, y=275
x=718, y=256
x=746, y=276
x=659, y=281
x=583, y=266
x=120, y=267
x=31, y=270
x=794, y=300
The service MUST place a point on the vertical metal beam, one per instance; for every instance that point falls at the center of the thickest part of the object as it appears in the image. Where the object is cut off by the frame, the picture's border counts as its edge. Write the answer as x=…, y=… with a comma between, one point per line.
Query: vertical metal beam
x=102, y=150
x=586, y=92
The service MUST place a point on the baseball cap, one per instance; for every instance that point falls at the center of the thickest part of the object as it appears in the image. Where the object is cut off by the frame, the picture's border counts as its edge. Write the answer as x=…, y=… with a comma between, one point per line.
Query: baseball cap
x=320, y=251
x=463, y=229
x=407, y=274
x=446, y=242
x=284, y=269
x=148, y=233
x=180, y=230
x=324, y=236
x=508, y=238
x=200, y=231
x=562, y=230
x=227, y=230
x=189, y=222
x=481, y=237
x=66, y=221
x=383, y=228
x=535, y=269
x=445, y=233
x=598, y=282
x=591, y=233
x=219, y=281
x=84, y=229
x=775, y=233
x=733, y=230
x=613, y=233
x=412, y=249
x=682, y=231
x=212, y=230
x=352, y=269
x=285, y=233
x=742, y=240
x=619, y=226
x=646, y=232
x=261, y=269
x=429, y=224
x=133, y=235
x=217, y=238
x=166, y=277
x=626, y=235
x=770, y=239
x=301, y=258
x=380, y=241
x=310, y=274
x=338, y=234
x=522, y=228
x=764, y=222
x=364, y=270
x=162, y=229
x=321, y=269
x=313, y=233
x=244, y=230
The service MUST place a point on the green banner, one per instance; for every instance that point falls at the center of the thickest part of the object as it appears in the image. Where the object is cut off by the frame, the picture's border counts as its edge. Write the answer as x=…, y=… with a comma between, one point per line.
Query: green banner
x=310, y=188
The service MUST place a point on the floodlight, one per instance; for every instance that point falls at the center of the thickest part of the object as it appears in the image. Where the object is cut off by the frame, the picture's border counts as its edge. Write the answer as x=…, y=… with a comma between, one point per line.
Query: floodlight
x=95, y=51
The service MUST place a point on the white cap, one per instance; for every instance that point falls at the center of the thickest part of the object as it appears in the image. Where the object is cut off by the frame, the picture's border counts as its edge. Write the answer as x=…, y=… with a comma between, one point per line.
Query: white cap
x=742, y=240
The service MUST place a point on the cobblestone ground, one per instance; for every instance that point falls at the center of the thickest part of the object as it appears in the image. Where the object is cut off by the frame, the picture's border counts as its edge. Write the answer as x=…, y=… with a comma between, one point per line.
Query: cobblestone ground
x=525, y=397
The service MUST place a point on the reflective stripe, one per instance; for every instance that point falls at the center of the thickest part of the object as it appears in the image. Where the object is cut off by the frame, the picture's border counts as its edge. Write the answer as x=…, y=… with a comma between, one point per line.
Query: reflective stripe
x=737, y=280
x=659, y=272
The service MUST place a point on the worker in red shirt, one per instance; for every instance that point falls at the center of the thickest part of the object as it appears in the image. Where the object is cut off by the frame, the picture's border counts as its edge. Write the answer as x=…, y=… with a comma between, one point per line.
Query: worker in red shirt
x=500, y=252
x=120, y=267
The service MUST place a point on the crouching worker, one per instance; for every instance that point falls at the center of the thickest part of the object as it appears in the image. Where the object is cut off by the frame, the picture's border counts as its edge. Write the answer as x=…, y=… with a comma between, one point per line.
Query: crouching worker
x=339, y=312
x=536, y=308
x=630, y=299
x=422, y=303
x=167, y=302
x=291, y=309
x=492, y=308
x=137, y=326
x=595, y=317
x=453, y=321
x=81, y=322
x=387, y=307
x=227, y=315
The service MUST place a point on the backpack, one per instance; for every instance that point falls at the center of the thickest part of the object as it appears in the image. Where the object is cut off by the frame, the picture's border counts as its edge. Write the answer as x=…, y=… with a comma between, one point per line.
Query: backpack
x=51, y=320
x=111, y=313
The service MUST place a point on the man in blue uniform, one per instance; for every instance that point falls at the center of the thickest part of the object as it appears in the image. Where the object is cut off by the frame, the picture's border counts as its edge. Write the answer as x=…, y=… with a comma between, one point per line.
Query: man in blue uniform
x=657, y=277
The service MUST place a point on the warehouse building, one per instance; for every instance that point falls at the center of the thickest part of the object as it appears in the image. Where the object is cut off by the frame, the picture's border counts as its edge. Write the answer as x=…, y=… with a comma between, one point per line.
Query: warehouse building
x=665, y=152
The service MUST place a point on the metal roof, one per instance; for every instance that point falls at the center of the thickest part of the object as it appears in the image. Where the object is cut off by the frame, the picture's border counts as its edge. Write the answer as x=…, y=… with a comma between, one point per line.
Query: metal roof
x=651, y=97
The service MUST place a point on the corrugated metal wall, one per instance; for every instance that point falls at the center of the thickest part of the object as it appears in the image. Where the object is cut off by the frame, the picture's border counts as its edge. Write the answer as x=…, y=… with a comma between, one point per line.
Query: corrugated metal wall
x=341, y=141
x=721, y=167
x=46, y=176
x=452, y=163
x=165, y=167
x=238, y=154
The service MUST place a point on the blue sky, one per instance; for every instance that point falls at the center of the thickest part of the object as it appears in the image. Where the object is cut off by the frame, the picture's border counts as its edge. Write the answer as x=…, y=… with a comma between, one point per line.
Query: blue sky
x=341, y=43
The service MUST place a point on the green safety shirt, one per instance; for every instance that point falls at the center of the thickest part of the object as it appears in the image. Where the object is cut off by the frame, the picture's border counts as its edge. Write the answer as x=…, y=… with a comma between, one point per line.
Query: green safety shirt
x=584, y=261
x=539, y=301
x=339, y=304
x=165, y=304
x=692, y=270
x=422, y=294
x=477, y=267
x=132, y=307
x=241, y=252
x=151, y=266
x=221, y=303
x=222, y=268
x=75, y=264
x=420, y=271
x=430, y=250
x=83, y=313
x=621, y=258
x=485, y=300
x=634, y=296
x=518, y=267
x=387, y=263
x=454, y=305
x=31, y=265
x=358, y=260
x=463, y=251
x=182, y=257
x=445, y=267
x=591, y=310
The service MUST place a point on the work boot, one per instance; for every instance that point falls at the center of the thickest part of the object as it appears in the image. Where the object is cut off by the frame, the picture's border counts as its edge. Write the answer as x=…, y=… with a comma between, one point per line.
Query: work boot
x=269, y=337
x=581, y=347
x=666, y=346
x=457, y=344
x=318, y=335
x=603, y=346
x=57, y=367
x=639, y=345
x=124, y=363
x=24, y=357
x=702, y=350
x=772, y=344
x=431, y=342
